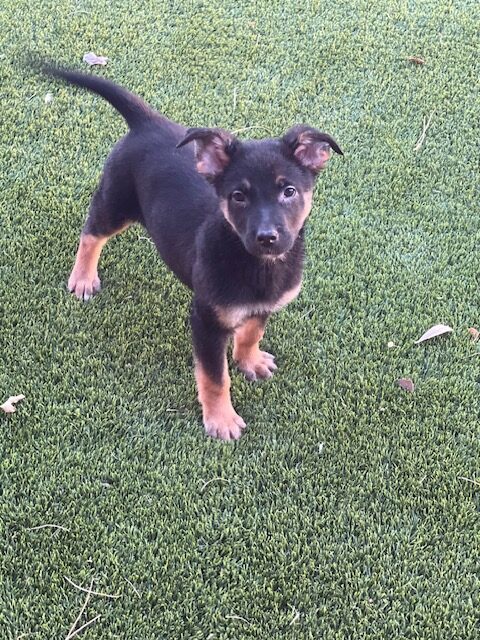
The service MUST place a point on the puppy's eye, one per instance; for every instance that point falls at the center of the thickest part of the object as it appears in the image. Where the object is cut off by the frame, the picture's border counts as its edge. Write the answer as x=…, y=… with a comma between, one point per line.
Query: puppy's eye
x=289, y=192
x=238, y=196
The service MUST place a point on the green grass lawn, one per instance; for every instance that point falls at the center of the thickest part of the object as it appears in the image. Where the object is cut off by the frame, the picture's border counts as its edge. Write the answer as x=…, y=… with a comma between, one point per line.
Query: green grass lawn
x=344, y=511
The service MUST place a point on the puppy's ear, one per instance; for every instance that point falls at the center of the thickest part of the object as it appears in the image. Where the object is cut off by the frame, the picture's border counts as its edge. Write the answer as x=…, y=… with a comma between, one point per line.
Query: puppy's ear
x=310, y=148
x=213, y=149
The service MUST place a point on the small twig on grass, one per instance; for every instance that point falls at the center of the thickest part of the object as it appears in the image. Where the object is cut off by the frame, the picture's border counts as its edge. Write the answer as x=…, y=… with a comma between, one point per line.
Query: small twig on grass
x=133, y=587
x=93, y=593
x=46, y=526
x=205, y=484
x=426, y=126
x=72, y=628
x=475, y=482
x=87, y=624
x=234, y=617
x=296, y=615
x=147, y=239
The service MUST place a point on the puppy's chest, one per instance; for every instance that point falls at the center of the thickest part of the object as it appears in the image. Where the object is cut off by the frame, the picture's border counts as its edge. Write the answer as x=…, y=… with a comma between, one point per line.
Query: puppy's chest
x=233, y=315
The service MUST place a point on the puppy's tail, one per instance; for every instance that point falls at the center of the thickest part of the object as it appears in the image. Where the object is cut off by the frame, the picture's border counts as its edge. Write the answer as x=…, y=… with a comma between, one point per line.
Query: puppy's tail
x=135, y=111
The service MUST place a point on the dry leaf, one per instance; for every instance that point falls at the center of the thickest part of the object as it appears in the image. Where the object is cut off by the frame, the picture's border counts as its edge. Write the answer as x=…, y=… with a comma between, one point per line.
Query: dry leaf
x=8, y=406
x=433, y=332
x=475, y=333
x=416, y=59
x=406, y=384
x=91, y=59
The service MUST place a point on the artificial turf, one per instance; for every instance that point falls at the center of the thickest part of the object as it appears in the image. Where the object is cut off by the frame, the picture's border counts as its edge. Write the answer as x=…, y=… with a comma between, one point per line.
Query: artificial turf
x=350, y=508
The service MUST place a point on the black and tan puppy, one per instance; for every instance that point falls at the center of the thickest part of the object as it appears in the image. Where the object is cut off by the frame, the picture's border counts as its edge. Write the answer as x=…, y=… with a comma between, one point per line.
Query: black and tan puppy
x=226, y=216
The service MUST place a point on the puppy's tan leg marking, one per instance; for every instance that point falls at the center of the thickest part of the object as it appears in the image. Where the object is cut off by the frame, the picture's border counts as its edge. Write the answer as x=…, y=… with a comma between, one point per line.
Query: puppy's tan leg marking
x=250, y=360
x=84, y=281
x=219, y=417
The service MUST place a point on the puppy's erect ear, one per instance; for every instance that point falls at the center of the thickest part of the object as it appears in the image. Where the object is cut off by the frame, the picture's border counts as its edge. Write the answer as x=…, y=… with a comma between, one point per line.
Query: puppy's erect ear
x=310, y=147
x=213, y=149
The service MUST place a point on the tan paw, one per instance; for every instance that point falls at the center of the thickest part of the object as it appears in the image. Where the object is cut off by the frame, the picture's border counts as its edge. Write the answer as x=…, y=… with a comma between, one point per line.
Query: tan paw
x=260, y=365
x=83, y=285
x=226, y=425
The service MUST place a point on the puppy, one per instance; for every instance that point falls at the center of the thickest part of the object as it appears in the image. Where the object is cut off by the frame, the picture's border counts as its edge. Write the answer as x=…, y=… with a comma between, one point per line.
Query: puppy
x=226, y=215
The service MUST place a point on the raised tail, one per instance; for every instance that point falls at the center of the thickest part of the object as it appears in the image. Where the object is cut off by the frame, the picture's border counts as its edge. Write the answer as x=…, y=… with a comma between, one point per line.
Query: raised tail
x=131, y=107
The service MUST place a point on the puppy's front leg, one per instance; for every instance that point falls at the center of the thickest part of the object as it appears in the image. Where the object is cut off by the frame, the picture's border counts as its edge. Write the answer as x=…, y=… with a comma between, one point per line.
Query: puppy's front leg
x=255, y=364
x=211, y=373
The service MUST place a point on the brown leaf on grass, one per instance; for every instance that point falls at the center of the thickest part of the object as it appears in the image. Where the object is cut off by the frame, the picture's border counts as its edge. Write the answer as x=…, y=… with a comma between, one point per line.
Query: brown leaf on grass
x=91, y=58
x=416, y=60
x=406, y=384
x=475, y=333
x=9, y=405
x=433, y=332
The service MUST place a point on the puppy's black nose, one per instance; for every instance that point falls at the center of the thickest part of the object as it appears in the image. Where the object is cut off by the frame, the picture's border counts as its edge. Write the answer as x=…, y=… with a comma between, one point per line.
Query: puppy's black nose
x=267, y=237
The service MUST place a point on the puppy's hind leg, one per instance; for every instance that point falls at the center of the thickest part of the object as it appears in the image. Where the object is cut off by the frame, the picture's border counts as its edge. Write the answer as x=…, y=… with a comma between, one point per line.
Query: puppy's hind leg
x=102, y=223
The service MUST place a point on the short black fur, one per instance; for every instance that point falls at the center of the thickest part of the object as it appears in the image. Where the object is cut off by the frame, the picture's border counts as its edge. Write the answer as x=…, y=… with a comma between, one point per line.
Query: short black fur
x=226, y=215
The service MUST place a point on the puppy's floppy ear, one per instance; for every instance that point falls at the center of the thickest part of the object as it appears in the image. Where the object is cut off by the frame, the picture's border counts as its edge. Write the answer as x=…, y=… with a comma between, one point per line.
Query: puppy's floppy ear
x=213, y=149
x=310, y=147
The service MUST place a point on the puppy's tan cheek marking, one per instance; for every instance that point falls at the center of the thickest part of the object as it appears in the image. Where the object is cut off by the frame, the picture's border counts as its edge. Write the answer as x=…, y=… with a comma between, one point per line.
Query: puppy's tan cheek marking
x=214, y=397
x=247, y=339
x=299, y=220
x=226, y=213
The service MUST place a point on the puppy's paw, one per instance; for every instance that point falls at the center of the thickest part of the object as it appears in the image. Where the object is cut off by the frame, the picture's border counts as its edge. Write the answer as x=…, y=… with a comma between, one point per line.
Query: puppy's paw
x=259, y=365
x=83, y=285
x=225, y=424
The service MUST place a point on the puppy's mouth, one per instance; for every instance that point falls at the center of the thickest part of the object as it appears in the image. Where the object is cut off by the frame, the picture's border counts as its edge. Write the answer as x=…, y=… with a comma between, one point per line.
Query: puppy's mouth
x=271, y=253
x=273, y=257
x=276, y=251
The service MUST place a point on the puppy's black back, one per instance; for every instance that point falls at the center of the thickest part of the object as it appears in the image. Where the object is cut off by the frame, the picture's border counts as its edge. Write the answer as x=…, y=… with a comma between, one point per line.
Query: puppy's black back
x=174, y=199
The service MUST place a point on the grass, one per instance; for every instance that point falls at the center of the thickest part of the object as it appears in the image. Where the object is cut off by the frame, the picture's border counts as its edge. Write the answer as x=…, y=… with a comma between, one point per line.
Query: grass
x=343, y=512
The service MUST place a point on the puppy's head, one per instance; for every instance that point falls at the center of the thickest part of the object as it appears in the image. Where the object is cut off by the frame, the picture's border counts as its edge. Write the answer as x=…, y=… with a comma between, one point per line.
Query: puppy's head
x=265, y=186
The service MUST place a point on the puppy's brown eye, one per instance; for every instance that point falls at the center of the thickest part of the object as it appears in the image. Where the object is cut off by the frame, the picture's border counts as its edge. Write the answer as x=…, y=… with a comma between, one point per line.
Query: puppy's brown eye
x=289, y=192
x=238, y=196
